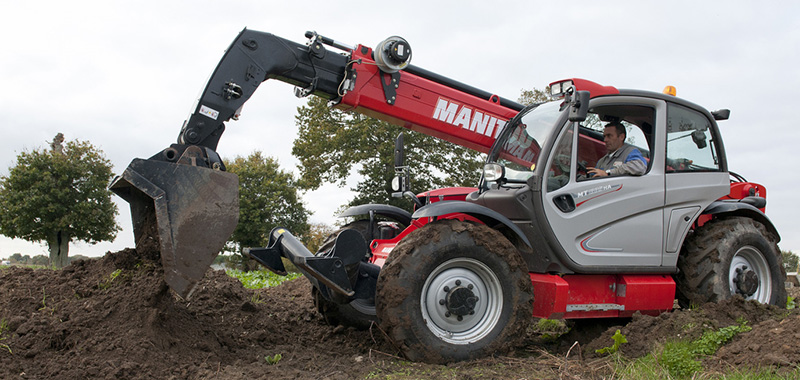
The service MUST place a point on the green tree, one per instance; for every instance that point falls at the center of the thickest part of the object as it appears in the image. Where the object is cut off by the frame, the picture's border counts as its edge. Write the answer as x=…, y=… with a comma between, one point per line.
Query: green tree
x=330, y=143
x=268, y=198
x=78, y=257
x=58, y=196
x=41, y=260
x=16, y=258
x=791, y=263
x=316, y=235
x=528, y=97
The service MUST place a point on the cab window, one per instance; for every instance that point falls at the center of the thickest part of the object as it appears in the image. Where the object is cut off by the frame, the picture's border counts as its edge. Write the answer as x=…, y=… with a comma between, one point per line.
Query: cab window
x=558, y=174
x=637, y=120
x=690, y=145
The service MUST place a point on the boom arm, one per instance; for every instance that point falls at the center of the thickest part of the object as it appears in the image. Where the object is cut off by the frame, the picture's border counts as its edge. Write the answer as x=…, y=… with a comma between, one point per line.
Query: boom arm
x=185, y=205
x=413, y=97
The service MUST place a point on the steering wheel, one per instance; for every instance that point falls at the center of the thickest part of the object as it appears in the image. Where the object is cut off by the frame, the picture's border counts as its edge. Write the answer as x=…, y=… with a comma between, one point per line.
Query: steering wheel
x=582, y=167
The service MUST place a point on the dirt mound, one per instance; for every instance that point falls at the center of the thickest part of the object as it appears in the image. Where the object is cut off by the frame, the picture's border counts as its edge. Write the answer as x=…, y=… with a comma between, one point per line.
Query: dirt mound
x=115, y=317
x=644, y=333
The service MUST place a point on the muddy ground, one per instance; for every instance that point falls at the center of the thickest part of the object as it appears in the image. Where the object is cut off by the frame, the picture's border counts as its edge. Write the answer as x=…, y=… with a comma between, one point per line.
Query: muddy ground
x=115, y=318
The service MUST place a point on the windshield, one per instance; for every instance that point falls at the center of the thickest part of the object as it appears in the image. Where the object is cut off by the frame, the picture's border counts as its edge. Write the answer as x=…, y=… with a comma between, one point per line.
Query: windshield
x=522, y=144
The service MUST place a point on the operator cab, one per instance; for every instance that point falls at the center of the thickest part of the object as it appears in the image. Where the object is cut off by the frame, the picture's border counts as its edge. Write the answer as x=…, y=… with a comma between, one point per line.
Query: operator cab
x=538, y=173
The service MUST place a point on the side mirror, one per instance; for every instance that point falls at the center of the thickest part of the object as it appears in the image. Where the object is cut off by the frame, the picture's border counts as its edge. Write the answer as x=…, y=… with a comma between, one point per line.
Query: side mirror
x=399, y=152
x=579, y=105
x=699, y=139
x=723, y=114
x=400, y=182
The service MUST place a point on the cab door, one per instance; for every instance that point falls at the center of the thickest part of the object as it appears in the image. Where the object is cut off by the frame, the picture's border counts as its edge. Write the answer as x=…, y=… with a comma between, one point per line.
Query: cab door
x=608, y=221
x=695, y=174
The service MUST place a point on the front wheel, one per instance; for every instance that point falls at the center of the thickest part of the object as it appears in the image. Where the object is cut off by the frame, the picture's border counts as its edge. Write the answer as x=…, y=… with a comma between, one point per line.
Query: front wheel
x=727, y=257
x=454, y=291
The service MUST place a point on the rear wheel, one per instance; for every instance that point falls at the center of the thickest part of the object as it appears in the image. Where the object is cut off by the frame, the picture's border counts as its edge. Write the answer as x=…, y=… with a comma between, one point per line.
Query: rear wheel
x=454, y=291
x=359, y=313
x=730, y=256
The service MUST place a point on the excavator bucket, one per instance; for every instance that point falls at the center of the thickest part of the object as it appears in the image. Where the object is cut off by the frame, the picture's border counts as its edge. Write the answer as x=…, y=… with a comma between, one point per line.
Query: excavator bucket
x=185, y=212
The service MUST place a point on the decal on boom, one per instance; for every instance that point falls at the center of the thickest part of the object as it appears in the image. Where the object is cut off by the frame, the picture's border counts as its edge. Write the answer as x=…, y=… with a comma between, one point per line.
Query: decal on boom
x=465, y=117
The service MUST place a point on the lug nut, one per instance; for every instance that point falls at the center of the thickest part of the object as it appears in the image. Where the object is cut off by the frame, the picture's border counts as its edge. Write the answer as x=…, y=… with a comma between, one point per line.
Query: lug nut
x=447, y=314
x=442, y=302
x=460, y=318
x=446, y=289
x=458, y=282
x=470, y=286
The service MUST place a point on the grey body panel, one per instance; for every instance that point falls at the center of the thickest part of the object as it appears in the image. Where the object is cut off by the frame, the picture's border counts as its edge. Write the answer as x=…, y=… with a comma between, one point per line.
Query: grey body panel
x=617, y=221
x=687, y=194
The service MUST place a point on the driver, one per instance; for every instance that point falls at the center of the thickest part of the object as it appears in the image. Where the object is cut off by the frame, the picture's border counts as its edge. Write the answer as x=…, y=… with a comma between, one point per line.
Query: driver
x=621, y=158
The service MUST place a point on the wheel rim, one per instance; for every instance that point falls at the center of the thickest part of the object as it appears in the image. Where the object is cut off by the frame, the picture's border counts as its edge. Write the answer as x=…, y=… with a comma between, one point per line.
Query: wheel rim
x=749, y=275
x=462, y=301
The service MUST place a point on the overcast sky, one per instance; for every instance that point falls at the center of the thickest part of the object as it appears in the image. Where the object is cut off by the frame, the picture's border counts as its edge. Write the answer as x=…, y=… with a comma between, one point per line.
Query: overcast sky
x=124, y=74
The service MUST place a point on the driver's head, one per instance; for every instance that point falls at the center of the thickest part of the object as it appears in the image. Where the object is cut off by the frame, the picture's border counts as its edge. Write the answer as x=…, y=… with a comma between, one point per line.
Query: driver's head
x=614, y=136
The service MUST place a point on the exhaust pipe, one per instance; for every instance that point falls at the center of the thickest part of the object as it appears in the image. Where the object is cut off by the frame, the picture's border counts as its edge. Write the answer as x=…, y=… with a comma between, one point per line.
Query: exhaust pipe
x=184, y=211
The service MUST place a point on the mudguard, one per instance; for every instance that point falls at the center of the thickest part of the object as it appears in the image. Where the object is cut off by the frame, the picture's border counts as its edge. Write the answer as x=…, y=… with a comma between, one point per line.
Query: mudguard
x=747, y=207
x=484, y=214
x=392, y=212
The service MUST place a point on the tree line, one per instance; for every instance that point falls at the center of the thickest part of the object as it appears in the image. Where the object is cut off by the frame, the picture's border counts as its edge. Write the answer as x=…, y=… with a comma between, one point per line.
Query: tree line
x=59, y=195
x=39, y=260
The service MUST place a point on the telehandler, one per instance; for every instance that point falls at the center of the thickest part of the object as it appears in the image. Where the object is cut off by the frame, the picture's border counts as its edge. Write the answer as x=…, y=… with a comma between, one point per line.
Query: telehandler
x=538, y=236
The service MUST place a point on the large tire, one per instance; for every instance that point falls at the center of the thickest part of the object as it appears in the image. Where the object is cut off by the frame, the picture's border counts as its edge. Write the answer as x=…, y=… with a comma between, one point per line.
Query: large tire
x=359, y=313
x=426, y=293
x=730, y=256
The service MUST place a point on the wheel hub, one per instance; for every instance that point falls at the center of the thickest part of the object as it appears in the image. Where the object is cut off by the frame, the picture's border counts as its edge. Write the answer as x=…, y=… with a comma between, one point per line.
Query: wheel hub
x=460, y=301
x=746, y=281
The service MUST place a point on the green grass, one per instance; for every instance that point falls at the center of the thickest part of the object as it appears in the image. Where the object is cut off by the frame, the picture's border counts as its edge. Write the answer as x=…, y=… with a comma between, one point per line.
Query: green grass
x=272, y=360
x=619, y=339
x=109, y=280
x=682, y=358
x=648, y=367
x=3, y=331
x=260, y=278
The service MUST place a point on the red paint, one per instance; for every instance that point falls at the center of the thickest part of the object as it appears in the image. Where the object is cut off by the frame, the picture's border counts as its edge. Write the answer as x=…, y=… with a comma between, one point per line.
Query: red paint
x=650, y=294
x=415, y=104
x=594, y=89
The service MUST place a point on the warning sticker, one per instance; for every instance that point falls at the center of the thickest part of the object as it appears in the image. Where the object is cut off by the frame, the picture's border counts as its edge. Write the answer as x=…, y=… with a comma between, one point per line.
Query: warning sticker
x=210, y=112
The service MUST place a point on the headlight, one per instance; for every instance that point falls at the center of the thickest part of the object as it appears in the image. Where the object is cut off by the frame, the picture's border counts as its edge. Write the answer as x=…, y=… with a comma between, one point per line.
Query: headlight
x=396, y=183
x=493, y=172
x=559, y=89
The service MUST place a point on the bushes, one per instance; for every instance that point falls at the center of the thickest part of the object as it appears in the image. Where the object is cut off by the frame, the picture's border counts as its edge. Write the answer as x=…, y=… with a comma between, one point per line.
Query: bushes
x=258, y=279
